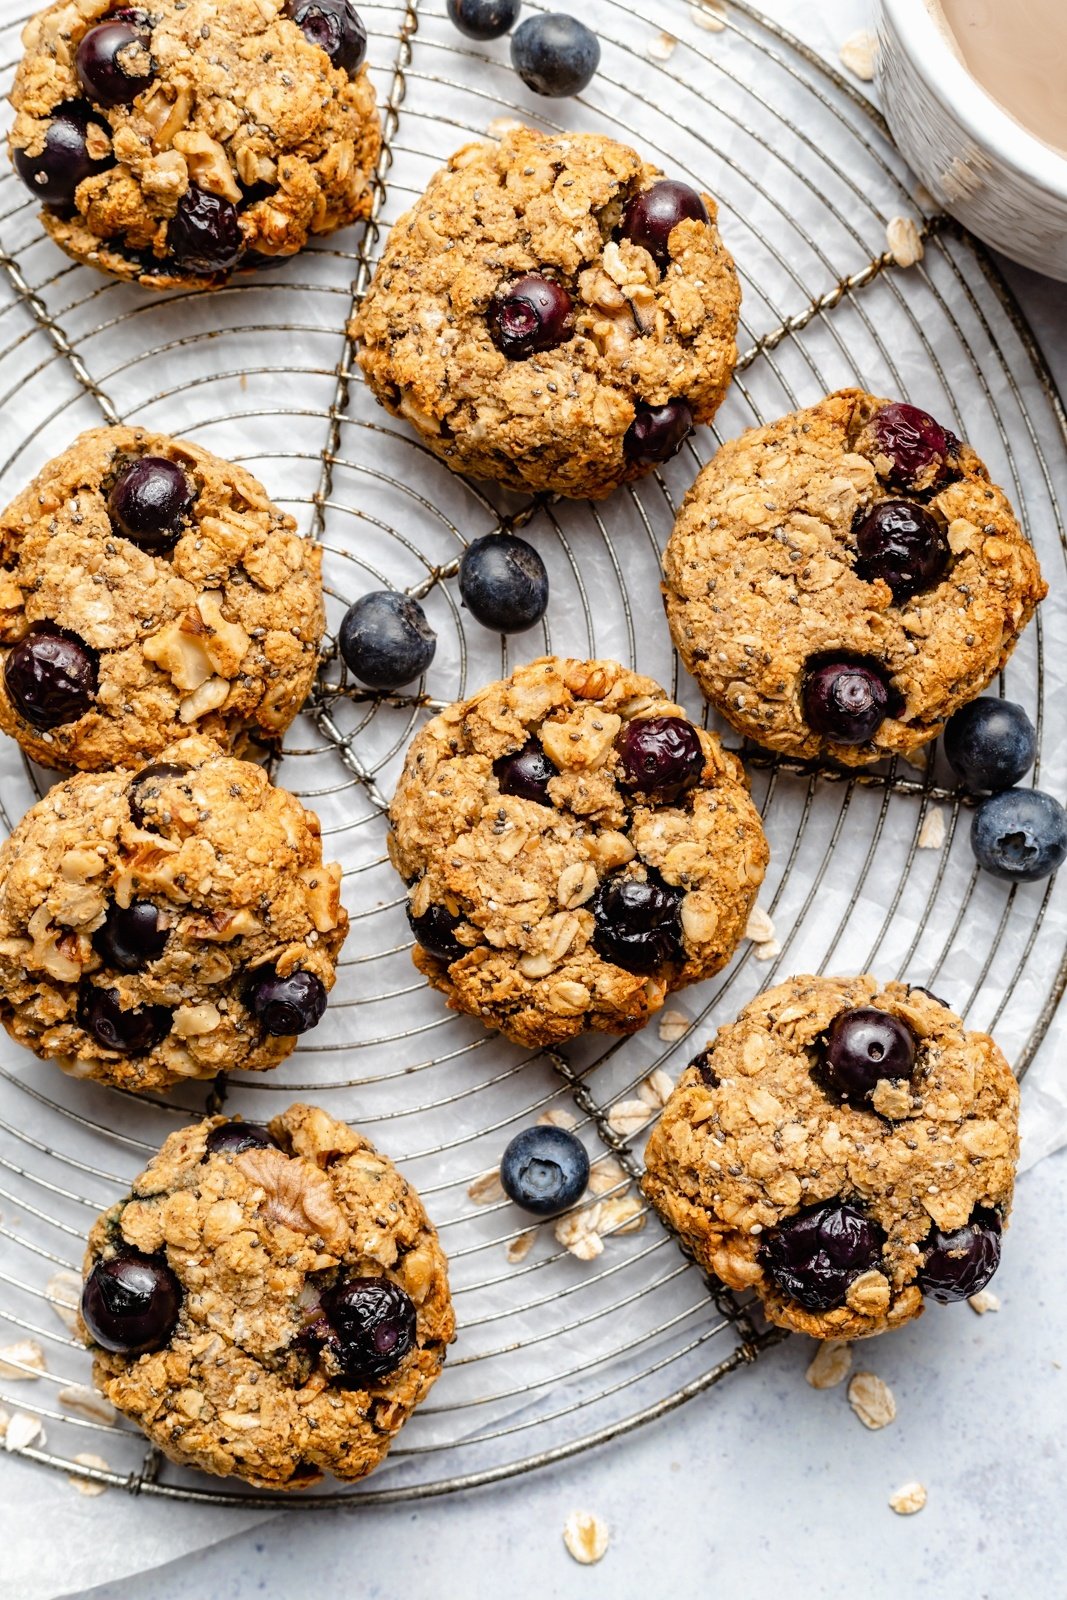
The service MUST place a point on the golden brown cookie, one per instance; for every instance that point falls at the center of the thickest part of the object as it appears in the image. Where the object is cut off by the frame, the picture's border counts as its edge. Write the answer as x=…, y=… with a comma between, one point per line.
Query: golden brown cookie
x=575, y=387
x=844, y=1148
x=268, y=1303
x=149, y=590
x=175, y=142
x=172, y=923
x=842, y=581
x=575, y=848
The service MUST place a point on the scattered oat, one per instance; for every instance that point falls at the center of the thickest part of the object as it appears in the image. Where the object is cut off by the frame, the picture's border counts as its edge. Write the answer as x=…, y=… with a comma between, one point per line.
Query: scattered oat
x=63, y=1292
x=662, y=47
x=79, y=1397
x=919, y=759
x=923, y=198
x=985, y=1300
x=767, y=950
x=908, y=1499
x=22, y=1360
x=831, y=1364
x=558, y=1118
x=89, y=1486
x=707, y=14
x=586, y=1537
x=904, y=241
x=858, y=54
x=23, y=1429
x=932, y=832
x=759, y=927
x=656, y=1089
x=502, y=125
x=628, y=1117
x=486, y=1190
x=5, y=1418
x=606, y=1174
x=623, y=1213
x=519, y=1248
x=872, y=1400
x=577, y=1232
x=673, y=1025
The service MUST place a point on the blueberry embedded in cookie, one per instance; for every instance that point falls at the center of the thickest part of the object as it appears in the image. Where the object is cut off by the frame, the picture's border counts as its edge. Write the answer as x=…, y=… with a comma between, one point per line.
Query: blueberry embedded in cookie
x=575, y=848
x=553, y=314
x=844, y=1148
x=270, y=1303
x=843, y=580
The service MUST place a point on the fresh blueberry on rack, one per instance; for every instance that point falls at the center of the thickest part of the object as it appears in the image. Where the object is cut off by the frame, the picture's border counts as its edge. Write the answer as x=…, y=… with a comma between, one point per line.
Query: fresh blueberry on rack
x=919, y=448
x=131, y=1032
x=435, y=932
x=144, y=794
x=1020, y=835
x=370, y=1327
x=54, y=173
x=660, y=756
x=531, y=314
x=131, y=937
x=990, y=744
x=863, y=1046
x=657, y=433
x=150, y=502
x=386, y=640
x=638, y=924
x=504, y=583
x=230, y=1138
x=204, y=235
x=286, y=1006
x=652, y=216
x=51, y=676
x=527, y=773
x=554, y=54
x=544, y=1170
x=815, y=1255
x=959, y=1263
x=484, y=19
x=113, y=63
x=846, y=700
x=902, y=544
x=131, y=1303
x=336, y=27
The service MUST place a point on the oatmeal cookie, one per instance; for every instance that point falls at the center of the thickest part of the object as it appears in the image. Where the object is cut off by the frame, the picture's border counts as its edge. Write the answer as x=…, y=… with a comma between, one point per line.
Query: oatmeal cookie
x=843, y=580
x=552, y=314
x=171, y=923
x=575, y=850
x=175, y=142
x=844, y=1148
x=149, y=590
x=270, y=1303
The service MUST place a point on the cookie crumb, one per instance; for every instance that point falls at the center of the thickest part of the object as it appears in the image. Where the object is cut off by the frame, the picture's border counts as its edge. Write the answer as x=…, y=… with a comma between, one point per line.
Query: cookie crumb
x=859, y=53
x=707, y=14
x=985, y=1300
x=487, y=1189
x=908, y=1499
x=673, y=1025
x=830, y=1365
x=502, y=125
x=586, y=1537
x=662, y=47
x=519, y=1248
x=932, y=832
x=22, y=1361
x=872, y=1400
x=904, y=241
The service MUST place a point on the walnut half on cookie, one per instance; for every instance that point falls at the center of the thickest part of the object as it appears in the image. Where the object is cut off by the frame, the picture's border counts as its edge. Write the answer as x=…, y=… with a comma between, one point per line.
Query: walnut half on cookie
x=575, y=849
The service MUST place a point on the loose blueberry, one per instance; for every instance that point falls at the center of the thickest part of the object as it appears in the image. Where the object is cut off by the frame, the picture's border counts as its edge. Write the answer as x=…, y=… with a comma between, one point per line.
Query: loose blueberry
x=286, y=1006
x=638, y=925
x=131, y=1302
x=53, y=176
x=864, y=1046
x=1019, y=834
x=544, y=1170
x=51, y=676
x=991, y=744
x=484, y=19
x=336, y=27
x=527, y=773
x=435, y=932
x=113, y=64
x=702, y=1064
x=660, y=756
x=386, y=640
x=918, y=447
x=204, y=236
x=503, y=583
x=846, y=700
x=131, y=937
x=657, y=433
x=151, y=501
x=652, y=216
x=144, y=794
x=371, y=1323
x=555, y=54
x=958, y=1264
x=230, y=1138
x=131, y=1033
x=814, y=1256
x=903, y=545
x=531, y=314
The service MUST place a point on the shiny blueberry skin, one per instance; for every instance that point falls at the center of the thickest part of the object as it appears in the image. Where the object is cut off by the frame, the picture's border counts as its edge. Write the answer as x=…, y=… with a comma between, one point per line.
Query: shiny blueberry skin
x=131, y=1302
x=336, y=27
x=814, y=1256
x=660, y=756
x=204, y=236
x=230, y=1138
x=1019, y=835
x=504, y=583
x=53, y=176
x=555, y=54
x=544, y=1170
x=864, y=1046
x=638, y=925
x=657, y=433
x=990, y=744
x=484, y=19
x=101, y=61
x=386, y=640
x=846, y=700
x=51, y=676
x=527, y=773
x=287, y=1006
x=652, y=216
x=532, y=314
x=917, y=446
x=144, y=787
x=959, y=1264
x=435, y=932
x=371, y=1327
x=131, y=1033
x=903, y=545
x=150, y=503
x=132, y=937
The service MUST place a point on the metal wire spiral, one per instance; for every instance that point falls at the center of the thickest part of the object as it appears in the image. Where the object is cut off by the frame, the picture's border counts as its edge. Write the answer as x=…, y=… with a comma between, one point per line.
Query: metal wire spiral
x=554, y=1354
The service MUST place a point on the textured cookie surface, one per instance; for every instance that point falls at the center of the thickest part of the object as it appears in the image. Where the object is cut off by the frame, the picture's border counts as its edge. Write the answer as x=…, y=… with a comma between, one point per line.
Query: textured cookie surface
x=750, y=1138
x=234, y=870
x=515, y=878
x=219, y=635
x=257, y=1239
x=760, y=578
x=556, y=421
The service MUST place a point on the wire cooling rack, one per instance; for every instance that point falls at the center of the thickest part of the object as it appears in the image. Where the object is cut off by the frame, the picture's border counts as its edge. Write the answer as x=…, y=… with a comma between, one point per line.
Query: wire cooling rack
x=869, y=870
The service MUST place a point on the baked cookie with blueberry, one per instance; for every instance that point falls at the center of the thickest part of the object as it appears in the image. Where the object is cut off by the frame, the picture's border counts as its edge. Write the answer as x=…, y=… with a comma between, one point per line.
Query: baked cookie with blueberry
x=840, y=582
x=149, y=590
x=845, y=1148
x=171, y=923
x=575, y=849
x=552, y=313
x=268, y=1302
x=174, y=142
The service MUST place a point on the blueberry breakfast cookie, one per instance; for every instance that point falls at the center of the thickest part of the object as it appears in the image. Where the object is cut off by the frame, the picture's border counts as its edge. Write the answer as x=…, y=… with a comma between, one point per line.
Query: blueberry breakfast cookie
x=173, y=142
x=268, y=1302
x=843, y=580
x=149, y=590
x=845, y=1148
x=553, y=314
x=170, y=923
x=575, y=849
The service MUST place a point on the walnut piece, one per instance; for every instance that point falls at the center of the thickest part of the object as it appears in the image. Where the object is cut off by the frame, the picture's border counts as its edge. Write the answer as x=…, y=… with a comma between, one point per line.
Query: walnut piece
x=298, y=1195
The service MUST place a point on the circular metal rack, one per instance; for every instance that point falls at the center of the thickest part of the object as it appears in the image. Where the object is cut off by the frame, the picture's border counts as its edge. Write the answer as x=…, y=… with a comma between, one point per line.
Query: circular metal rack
x=869, y=871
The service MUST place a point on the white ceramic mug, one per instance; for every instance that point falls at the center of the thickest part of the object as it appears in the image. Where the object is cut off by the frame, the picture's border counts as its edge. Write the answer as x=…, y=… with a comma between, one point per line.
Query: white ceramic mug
x=979, y=163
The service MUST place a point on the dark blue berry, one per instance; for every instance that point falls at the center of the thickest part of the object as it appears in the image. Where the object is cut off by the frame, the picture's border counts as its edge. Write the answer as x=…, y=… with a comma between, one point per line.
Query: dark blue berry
x=555, y=54
x=527, y=773
x=131, y=1032
x=530, y=314
x=484, y=19
x=702, y=1064
x=652, y=216
x=435, y=932
x=204, y=235
x=336, y=27
x=113, y=64
x=131, y=1303
x=846, y=700
x=961, y=1263
x=230, y=1138
x=386, y=640
x=150, y=502
x=864, y=1046
x=149, y=806
x=287, y=1006
x=638, y=924
x=370, y=1326
x=918, y=447
x=660, y=756
x=814, y=1256
x=544, y=1170
x=991, y=744
x=657, y=433
x=504, y=583
x=51, y=676
x=131, y=937
x=1019, y=834
x=54, y=174
x=902, y=544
